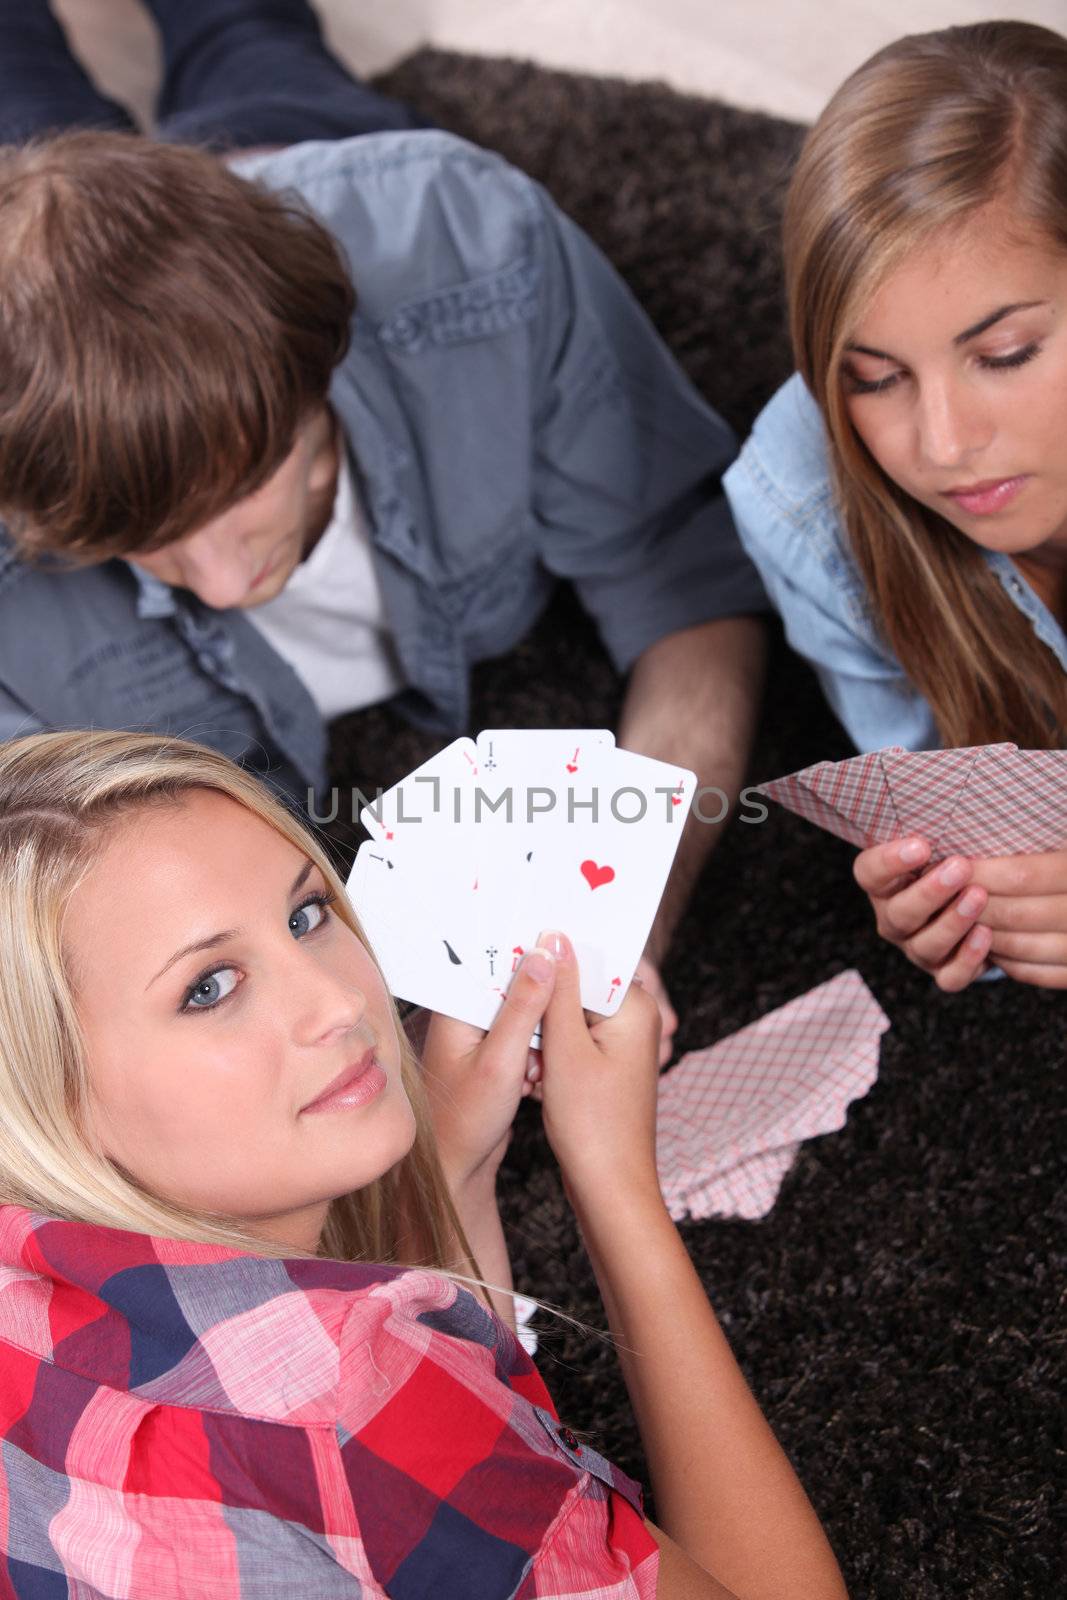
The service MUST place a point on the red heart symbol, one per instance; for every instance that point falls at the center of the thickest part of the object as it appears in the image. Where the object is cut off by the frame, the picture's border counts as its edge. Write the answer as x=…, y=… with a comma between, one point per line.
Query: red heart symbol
x=617, y=982
x=594, y=875
x=676, y=799
x=389, y=835
x=571, y=767
x=516, y=950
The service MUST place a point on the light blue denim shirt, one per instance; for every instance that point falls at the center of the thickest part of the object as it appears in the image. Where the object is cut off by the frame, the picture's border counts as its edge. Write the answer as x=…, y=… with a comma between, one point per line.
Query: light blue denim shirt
x=513, y=418
x=782, y=498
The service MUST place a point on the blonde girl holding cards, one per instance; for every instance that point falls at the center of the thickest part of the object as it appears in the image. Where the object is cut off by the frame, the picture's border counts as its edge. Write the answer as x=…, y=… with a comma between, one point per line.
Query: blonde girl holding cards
x=905, y=494
x=240, y=1229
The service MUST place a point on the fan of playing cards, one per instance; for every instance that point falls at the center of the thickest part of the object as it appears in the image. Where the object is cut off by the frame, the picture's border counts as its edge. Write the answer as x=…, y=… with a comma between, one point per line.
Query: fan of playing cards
x=495, y=839
x=985, y=800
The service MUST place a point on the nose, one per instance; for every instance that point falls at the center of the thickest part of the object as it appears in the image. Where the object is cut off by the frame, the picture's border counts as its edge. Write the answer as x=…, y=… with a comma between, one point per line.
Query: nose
x=954, y=424
x=217, y=566
x=327, y=1001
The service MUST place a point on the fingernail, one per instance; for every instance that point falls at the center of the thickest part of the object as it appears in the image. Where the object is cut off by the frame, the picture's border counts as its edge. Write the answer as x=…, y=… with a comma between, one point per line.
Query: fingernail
x=977, y=938
x=538, y=964
x=952, y=874
x=971, y=903
x=911, y=851
x=557, y=944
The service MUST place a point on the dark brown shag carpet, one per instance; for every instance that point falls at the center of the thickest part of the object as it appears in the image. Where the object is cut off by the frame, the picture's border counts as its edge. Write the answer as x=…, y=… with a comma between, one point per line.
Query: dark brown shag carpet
x=900, y=1312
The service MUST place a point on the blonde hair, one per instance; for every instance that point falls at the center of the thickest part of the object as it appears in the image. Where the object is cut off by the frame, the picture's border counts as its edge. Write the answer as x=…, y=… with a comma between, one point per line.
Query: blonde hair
x=60, y=796
x=922, y=137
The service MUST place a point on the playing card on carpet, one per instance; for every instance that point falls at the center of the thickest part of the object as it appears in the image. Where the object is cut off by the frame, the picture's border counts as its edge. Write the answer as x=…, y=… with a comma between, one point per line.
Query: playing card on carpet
x=748, y=1190
x=730, y=1118
x=981, y=800
x=494, y=840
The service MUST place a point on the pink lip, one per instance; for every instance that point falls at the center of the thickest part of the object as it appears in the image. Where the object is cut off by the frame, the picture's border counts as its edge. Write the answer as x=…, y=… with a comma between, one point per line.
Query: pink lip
x=354, y=1086
x=983, y=499
x=267, y=570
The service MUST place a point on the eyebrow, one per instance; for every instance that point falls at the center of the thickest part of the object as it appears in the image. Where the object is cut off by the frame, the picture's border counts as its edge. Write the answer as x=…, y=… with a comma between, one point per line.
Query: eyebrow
x=215, y=939
x=960, y=338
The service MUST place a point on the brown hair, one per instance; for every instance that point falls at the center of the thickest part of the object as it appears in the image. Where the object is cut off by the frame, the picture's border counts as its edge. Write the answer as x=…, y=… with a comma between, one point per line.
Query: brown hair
x=61, y=794
x=926, y=133
x=165, y=327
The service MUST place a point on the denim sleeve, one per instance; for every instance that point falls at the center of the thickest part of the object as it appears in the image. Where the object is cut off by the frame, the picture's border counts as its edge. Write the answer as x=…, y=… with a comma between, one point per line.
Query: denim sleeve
x=809, y=575
x=627, y=499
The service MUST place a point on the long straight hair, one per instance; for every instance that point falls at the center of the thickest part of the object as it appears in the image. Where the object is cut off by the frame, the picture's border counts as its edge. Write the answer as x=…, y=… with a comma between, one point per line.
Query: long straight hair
x=61, y=796
x=922, y=137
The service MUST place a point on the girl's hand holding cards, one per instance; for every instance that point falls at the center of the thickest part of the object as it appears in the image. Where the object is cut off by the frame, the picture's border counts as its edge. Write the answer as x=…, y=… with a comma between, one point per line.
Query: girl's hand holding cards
x=599, y=1083
x=474, y=1080
x=598, y=1087
x=494, y=838
x=931, y=913
x=1026, y=911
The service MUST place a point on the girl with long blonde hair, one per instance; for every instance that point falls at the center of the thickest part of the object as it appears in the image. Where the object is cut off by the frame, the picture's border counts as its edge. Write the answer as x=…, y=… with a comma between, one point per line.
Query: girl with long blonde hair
x=905, y=494
x=240, y=1227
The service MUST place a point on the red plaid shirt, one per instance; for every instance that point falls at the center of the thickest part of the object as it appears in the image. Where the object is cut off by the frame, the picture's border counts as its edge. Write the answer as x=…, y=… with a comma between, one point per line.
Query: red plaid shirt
x=183, y=1421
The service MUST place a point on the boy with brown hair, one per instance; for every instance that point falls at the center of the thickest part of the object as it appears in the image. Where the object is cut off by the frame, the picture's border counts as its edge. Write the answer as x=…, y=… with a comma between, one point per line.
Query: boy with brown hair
x=287, y=434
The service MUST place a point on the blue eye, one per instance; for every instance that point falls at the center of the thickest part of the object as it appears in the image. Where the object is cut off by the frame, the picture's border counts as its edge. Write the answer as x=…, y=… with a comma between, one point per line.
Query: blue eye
x=205, y=993
x=298, y=920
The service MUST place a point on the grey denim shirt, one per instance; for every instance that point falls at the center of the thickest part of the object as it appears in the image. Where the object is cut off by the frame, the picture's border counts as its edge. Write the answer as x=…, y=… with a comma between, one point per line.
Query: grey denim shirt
x=513, y=418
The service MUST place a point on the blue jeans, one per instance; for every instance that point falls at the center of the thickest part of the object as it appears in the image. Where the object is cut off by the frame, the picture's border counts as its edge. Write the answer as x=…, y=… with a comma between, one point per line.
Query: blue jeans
x=236, y=74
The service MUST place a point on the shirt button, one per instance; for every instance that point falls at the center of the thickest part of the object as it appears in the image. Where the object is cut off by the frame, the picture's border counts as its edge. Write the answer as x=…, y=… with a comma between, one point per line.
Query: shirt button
x=404, y=330
x=568, y=1438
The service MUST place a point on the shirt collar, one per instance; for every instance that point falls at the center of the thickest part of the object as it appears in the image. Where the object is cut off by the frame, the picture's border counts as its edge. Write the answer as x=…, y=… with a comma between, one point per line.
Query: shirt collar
x=154, y=597
x=1030, y=603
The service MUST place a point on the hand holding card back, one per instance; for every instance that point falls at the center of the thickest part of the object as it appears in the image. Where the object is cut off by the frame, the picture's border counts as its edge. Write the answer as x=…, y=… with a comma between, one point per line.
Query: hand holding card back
x=1015, y=803
x=927, y=786
x=585, y=842
x=846, y=798
x=978, y=801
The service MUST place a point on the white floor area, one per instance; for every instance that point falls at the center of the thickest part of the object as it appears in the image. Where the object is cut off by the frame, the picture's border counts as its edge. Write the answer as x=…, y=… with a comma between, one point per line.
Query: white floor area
x=784, y=56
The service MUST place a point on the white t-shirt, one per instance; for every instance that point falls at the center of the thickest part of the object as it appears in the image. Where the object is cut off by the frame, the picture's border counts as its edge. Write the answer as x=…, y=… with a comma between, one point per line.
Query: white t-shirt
x=329, y=622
